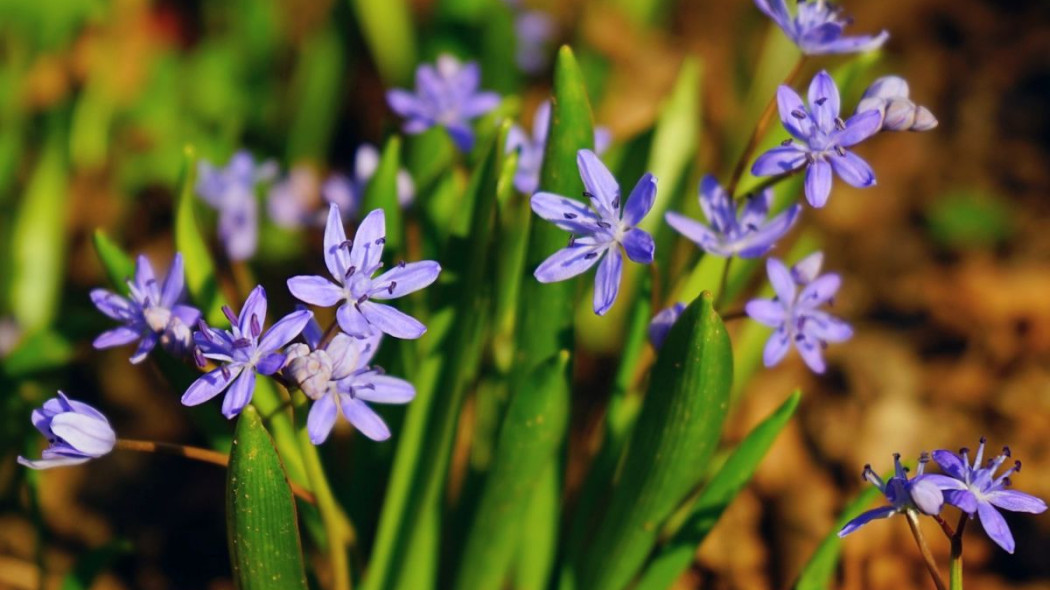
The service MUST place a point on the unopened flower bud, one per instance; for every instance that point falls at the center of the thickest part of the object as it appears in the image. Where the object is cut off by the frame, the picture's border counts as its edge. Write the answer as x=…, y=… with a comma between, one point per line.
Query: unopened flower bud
x=311, y=372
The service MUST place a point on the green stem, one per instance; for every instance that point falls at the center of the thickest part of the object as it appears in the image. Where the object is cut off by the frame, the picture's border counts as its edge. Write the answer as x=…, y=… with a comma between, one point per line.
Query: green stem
x=956, y=573
x=338, y=529
x=927, y=556
x=723, y=284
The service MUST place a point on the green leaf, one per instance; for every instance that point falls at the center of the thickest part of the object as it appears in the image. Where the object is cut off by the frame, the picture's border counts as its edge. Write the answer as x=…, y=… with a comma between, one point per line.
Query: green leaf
x=387, y=29
x=263, y=534
x=200, y=270
x=820, y=569
x=38, y=237
x=381, y=192
x=532, y=433
x=118, y=265
x=43, y=350
x=673, y=439
x=317, y=85
x=538, y=535
x=674, y=557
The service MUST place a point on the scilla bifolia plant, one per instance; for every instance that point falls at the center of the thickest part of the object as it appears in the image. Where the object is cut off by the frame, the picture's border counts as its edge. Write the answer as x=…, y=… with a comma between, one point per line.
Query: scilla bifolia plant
x=463, y=276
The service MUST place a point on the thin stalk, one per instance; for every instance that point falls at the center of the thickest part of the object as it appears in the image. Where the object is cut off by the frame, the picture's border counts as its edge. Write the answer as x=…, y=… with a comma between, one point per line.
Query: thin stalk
x=723, y=284
x=197, y=454
x=956, y=571
x=931, y=564
x=760, y=129
x=338, y=529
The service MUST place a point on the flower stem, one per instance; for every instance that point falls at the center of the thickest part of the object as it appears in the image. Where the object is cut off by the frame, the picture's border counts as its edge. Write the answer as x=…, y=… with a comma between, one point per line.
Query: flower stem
x=760, y=129
x=931, y=564
x=338, y=529
x=723, y=284
x=197, y=454
x=956, y=572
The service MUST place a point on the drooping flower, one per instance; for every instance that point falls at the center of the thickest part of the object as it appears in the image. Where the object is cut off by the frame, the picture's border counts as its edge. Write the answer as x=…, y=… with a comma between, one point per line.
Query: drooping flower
x=231, y=191
x=446, y=94
x=661, y=324
x=818, y=27
x=599, y=231
x=797, y=316
x=822, y=138
x=340, y=379
x=889, y=96
x=747, y=234
x=352, y=266
x=242, y=351
x=975, y=489
x=77, y=433
x=920, y=493
x=535, y=30
x=349, y=193
x=530, y=150
x=151, y=314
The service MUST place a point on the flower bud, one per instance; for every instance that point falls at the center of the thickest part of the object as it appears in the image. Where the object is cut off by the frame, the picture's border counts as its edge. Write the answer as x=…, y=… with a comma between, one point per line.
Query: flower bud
x=311, y=372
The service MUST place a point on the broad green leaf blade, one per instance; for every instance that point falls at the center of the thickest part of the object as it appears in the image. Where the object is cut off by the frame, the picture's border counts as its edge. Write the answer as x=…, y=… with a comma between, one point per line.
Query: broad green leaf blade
x=200, y=270
x=672, y=442
x=820, y=569
x=532, y=433
x=118, y=265
x=38, y=237
x=381, y=192
x=674, y=558
x=263, y=534
x=538, y=536
x=547, y=309
x=387, y=29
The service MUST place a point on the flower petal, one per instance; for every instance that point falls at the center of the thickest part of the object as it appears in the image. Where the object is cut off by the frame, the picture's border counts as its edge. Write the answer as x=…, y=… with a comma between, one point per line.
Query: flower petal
x=767, y=312
x=641, y=200
x=820, y=291
x=962, y=499
x=812, y=352
x=391, y=321
x=315, y=290
x=270, y=364
x=865, y=518
x=607, y=281
x=187, y=314
x=790, y=106
x=776, y=10
x=52, y=462
x=321, y=420
x=86, y=434
x=367, y=249
x=757, y=243
x=818, y=183
x=697, y=233
x=173, y=283
x=781, y=280
x=951, y=463
x=284, y=330
x=568, y=214
x=403, y=102
x=995, y=525
x=364, y=418
x=115, y=337
x=1015, y=501
x=824, y=100
x=254, y=306
x=855, y=44
x=779, y=160
x=858, y=128
x=239, y=394
x=776, y=347
x=404, y=279
x=209, y=385
x=386, y=390
x=148, y=342
x=336, y=257
x=639, y=245
x=352, y=321
x=113, y=305
x=599, y=182
x=853, y=169
x=567, y=263
x=926, y=495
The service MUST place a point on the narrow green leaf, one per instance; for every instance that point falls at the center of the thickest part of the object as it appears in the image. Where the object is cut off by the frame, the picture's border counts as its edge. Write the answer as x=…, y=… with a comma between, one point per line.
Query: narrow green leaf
x=118, y=265
x=532, y=433
x=38, y=237
x=200, y=270
x=538, y=535
x=263, y=534
x=673, y=439
x=43, y=350
x=674, y=557
x=387, y=29
x=381, y=192
x=818, y=572
x=316, y=87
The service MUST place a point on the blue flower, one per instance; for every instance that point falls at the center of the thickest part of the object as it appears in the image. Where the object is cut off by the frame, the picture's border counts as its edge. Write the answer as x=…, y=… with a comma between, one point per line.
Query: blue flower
x=796, y=315
x=747, y=234
x=77, y=433
x=231, y=191
x=661, y=324
x=822, y=140
x=535, y=30
x=292, y=202
x=889, y=96
x=243, y=351
x=530, y=150
x=352, y=266
x=349, y=193
x=340, y=379
x=975, y=489
x=151, y=314
x=599, y=231
x=921, y=493
x=445, y=95
x=818, y=27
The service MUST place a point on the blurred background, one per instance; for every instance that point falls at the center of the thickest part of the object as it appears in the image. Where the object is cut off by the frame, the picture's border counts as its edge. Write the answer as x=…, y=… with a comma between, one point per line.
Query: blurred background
x=946, y=261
